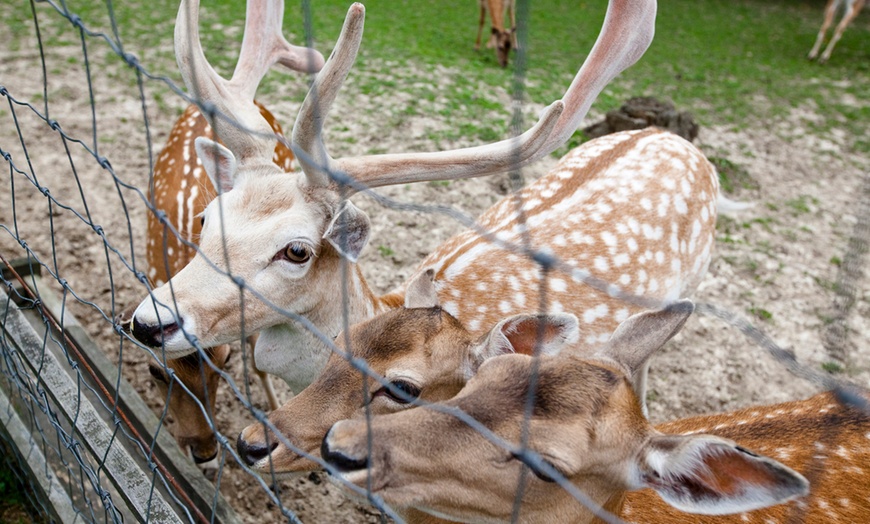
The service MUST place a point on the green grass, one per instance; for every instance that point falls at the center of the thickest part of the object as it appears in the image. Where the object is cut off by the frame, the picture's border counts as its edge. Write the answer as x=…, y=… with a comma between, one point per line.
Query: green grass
x=832, y=367
x=761, y=313
x=734, y=62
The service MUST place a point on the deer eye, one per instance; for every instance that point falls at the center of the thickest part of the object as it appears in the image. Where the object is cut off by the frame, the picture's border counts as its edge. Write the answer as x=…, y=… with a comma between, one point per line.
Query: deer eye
x=400, y=391
x=534, y=467
x=295, y=253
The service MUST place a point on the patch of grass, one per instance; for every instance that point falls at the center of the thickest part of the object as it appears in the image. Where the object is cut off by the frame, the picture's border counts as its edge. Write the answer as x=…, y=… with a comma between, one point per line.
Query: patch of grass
x=836, y=261
x=764, y=222
x=828, y=285
x=832, y=367
x=732, y=175
x=385, y=251
x=761, y=313
x=801, y=204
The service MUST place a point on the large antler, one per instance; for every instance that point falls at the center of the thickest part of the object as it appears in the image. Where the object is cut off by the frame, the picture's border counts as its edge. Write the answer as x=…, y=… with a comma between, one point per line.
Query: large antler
x=625, y=35
x=235, y=119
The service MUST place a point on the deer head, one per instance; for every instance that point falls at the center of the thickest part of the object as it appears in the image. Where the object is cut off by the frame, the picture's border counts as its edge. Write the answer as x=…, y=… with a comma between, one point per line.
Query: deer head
x=586, y=427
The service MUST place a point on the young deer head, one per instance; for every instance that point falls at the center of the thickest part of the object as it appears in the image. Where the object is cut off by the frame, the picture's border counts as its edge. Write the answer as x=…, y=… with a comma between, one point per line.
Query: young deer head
x=285, y=236
x=194, y=426
x=586, y=426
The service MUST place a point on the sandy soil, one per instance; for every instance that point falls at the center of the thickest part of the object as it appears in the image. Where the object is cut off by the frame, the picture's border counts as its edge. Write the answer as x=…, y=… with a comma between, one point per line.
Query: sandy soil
x=774, y=264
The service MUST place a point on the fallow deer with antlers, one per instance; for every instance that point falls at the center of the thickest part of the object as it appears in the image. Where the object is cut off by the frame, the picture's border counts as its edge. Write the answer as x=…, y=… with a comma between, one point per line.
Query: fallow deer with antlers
x=285, y=237
x=179, y=193
x=587, y=434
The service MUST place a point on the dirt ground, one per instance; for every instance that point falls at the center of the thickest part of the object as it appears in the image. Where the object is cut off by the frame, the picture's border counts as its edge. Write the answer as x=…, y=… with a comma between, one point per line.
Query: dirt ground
x=775, y=264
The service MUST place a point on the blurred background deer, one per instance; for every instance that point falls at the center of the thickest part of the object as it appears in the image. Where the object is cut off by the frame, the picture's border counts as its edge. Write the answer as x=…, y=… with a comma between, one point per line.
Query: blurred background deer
x=502, y=38
x=850, y=9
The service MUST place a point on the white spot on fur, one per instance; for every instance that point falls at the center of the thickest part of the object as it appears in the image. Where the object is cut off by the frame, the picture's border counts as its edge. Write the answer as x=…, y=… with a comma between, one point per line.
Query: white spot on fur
x=593, y=314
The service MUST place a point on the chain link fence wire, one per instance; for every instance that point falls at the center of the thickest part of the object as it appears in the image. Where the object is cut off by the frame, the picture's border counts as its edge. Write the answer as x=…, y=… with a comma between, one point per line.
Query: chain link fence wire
x=75, y=433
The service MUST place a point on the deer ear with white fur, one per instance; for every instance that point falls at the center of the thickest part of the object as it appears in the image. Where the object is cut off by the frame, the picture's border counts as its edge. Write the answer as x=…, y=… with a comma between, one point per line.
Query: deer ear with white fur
x=219, y=163
x=349, y=231
x=713, y=476
x=637, y=338
x=527, y=334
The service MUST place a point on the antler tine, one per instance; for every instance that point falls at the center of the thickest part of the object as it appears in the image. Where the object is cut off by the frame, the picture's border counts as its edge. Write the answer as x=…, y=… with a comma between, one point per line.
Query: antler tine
x=238, y=122
x=264, y=45
x=625, y=35
x=384, y=170
x=308, y=128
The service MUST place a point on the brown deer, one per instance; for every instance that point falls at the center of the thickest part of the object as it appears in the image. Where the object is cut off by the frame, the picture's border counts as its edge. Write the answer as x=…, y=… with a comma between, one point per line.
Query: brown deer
x=180, y=192
x=850, y=9
x=587, y=434
x=288, y=237
x=636, y=210
x=502, y=39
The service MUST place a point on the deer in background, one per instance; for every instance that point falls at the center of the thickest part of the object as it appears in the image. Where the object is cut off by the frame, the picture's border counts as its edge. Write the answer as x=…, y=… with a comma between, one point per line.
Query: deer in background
x=588, y=430
x=287, y=236
x=502, y=39
x=181, y=192
x=850, y=9
x=636, y=210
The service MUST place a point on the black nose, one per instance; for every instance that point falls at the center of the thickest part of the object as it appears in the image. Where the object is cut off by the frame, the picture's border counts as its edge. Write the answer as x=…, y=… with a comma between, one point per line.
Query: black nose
x=253, y=453
x=200, y=460
x=339, y=460
x=152, y=335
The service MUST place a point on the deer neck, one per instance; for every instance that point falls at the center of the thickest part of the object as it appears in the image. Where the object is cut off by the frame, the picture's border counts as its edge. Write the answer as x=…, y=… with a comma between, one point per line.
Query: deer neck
x=296, y=354
x=563, y=507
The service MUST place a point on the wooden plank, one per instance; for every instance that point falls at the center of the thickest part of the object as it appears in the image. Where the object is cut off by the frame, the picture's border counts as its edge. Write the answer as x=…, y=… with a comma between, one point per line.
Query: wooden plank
x=133, y=482
x=184, y=471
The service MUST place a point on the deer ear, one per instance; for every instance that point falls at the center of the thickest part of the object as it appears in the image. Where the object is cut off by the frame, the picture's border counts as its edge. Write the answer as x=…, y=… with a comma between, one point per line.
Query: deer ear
x=218, y=161
x=713, y=476
x=349, y=231
x=641, y=335
x=421, y=291
x=527, y=334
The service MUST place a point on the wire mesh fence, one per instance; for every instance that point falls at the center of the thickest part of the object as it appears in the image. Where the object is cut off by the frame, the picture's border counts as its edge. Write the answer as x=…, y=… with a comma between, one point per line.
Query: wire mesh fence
x=80, y=142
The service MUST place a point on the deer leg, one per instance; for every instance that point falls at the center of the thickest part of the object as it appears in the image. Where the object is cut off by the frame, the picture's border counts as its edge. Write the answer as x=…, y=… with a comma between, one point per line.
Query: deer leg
x=513, y=16
x=850, y=15
x=480, y=25
x=830, y=11
x=265, y=379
